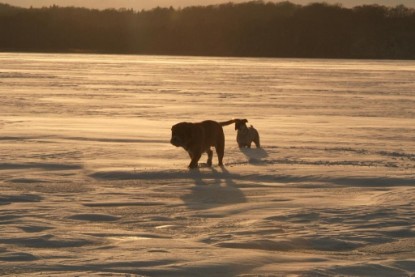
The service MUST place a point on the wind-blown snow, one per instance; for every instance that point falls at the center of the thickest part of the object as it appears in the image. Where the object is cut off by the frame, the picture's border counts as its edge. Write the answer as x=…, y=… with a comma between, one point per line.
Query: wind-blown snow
x=90, y=184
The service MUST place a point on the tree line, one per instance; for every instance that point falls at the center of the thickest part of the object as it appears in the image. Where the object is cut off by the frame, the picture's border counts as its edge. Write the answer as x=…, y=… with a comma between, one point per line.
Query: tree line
x=254, y=29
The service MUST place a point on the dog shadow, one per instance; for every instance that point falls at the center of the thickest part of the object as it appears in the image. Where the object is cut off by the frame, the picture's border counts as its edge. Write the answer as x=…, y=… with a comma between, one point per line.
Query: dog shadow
x=213, y=188
x=255, y=156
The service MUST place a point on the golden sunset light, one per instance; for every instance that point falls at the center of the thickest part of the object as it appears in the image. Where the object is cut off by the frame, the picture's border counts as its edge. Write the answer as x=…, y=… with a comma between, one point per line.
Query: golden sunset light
x=190, y=138
x=145, y=4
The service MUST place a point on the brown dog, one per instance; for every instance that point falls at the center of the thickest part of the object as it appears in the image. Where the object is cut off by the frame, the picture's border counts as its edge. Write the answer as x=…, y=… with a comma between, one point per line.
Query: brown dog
x=197, y=138
x=246, y=135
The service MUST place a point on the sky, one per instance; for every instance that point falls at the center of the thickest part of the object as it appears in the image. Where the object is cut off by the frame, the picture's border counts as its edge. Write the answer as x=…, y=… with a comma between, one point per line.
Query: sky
x=149, y=4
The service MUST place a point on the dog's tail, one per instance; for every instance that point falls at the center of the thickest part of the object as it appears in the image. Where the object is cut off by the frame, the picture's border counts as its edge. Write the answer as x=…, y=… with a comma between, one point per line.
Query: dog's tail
x=226, y=123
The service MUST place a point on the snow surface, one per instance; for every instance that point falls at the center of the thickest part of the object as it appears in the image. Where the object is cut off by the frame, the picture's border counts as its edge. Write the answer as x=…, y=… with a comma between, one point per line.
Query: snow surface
x=91, y=186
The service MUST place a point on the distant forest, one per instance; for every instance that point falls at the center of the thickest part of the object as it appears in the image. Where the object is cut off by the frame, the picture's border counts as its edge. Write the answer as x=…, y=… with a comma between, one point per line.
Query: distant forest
x=252, y=29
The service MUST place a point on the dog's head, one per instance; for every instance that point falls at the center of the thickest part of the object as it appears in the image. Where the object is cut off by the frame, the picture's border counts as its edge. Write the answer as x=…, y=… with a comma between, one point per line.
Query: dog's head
x=181, y=133
x=240, y=124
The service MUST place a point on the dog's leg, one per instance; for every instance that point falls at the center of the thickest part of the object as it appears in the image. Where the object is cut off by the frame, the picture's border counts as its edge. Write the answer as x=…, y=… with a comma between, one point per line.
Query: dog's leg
x=195, y=159
x=220, y=147
x=256, y=140
x=210, y=155
x=220, y=151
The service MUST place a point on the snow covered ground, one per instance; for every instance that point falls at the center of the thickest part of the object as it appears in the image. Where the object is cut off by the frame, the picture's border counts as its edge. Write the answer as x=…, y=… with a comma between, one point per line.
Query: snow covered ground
x=91, y=186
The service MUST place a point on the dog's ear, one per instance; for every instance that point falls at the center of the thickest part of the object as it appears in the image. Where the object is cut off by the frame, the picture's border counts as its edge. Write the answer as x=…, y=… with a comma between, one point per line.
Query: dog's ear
x=245, y=120
x=189, y=130
x=237, y=123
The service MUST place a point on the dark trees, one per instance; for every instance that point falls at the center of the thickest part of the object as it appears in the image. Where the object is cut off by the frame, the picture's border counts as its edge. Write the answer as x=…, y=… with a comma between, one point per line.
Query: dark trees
x=249, y=29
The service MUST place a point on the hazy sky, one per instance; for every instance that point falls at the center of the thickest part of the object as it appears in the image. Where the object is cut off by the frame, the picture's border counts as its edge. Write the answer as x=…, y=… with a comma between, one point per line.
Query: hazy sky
x=148, y=4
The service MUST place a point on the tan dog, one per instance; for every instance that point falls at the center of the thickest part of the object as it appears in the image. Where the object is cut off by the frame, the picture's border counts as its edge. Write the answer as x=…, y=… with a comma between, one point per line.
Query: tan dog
x=246, y=135
x=197, y=138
